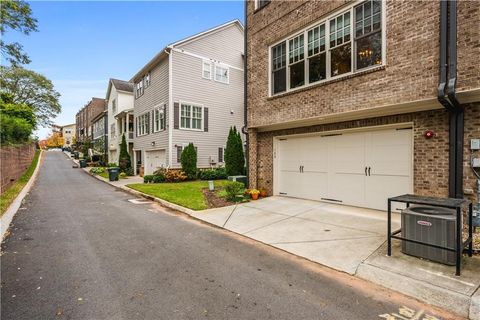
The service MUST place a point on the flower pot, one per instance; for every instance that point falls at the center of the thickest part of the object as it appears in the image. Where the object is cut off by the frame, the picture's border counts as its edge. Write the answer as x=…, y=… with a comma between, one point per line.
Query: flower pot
x=254, y=196
x=263, y=193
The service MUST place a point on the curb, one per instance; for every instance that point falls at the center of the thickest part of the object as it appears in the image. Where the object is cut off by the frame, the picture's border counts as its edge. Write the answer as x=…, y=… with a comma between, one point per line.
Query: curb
x=7, y=217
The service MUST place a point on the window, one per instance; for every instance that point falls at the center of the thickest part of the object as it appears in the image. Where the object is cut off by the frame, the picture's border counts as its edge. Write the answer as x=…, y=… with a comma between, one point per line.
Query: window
x=191, y=117
x=221, y=73
x=114, y=106
x=207, y=69
x=368, y=35
x=112, y=130
x=317, y=56
x=261, y=3
x=341, y=44
x=296, y=62
x=139, y=89
x=279, y=69
x=146, y=80
x=143, y=124
x=158, y=119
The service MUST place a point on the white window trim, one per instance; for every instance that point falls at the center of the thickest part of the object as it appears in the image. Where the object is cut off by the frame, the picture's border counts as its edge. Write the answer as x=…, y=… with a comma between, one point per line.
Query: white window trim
x=193, y=104
x=139, y=125
x=210, y=69
x=160, y=109
x=224, y=67
x=326, y=20
x=257, y=5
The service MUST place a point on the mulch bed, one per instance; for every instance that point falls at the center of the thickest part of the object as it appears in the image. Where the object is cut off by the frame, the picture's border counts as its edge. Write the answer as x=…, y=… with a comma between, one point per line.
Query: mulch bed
x=213, y=201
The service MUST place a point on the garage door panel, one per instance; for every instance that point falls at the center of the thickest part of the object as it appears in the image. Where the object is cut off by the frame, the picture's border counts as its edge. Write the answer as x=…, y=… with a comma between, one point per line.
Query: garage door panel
x=380, y=188
x=334, y=167
x=154, y=160
x=348, y=188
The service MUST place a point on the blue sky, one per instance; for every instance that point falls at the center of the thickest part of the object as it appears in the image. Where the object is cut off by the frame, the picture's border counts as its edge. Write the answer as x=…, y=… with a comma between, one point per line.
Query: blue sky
x=80, y=45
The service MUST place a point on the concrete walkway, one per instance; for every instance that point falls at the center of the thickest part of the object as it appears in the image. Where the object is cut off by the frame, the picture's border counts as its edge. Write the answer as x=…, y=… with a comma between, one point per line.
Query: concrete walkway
x=337, y=236
x=351, y=240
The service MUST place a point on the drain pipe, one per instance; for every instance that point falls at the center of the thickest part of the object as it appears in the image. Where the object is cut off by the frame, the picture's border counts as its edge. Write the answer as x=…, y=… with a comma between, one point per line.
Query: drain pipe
x=447, y=95
x=245, y=78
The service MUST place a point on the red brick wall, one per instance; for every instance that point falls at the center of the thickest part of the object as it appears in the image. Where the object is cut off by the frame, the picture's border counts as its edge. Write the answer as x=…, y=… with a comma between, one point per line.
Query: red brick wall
x=14, y=162
x=412, y=58
x=430, y=156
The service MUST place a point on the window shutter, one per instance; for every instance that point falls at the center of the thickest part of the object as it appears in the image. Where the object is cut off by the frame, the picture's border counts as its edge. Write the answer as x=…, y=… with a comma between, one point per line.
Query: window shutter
x=164, y=116
x=150, y=122
x=179, y=153
x=220, y=154
x=136, y=127
x=205, y=119
x=176, y=115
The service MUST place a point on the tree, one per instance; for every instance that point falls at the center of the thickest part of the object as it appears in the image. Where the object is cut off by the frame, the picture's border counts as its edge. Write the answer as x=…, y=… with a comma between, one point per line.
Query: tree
x=33, y=89
x=55, y=140
x=124, y=161
x=22, y=111
x=15, y=15
x=189, y=161
x=234, y=157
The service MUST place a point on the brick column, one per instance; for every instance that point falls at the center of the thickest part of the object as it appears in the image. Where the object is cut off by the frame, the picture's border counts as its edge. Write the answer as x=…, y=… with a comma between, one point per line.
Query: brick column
x=252, y=158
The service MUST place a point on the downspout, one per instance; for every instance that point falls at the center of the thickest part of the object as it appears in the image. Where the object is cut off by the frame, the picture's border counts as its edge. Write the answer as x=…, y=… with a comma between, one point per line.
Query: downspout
x=447, y=94
x=245, y=78
x=458, y=115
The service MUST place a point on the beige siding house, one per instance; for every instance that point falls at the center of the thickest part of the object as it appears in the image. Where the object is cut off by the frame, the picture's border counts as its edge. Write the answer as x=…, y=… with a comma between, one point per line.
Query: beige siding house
x=192, y=91
x=120, y=117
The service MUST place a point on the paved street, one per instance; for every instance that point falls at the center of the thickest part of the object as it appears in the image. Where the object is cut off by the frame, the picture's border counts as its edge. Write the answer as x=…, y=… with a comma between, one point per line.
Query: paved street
x=80, y=250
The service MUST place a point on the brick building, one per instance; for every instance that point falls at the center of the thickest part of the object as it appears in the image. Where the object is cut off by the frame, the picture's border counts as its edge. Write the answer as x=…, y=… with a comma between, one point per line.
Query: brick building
x=343, y=102
x=84, y=118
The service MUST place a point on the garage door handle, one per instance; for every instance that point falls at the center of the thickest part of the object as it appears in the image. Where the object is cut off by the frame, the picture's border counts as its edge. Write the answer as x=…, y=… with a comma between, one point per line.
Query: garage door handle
x=369, y=171
x=366, y=171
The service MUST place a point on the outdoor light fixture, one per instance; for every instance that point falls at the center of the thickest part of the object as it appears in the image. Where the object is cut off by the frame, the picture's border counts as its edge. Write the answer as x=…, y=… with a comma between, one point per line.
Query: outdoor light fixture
x=429, y=134
x=153, y=143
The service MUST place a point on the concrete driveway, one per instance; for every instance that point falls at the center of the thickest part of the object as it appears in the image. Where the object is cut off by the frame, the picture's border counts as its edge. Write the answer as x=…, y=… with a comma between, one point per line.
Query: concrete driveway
x=337, y=236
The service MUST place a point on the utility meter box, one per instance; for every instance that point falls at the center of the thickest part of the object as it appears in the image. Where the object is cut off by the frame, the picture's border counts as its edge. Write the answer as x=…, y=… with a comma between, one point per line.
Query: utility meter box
x=476, y=162
x=475, y=144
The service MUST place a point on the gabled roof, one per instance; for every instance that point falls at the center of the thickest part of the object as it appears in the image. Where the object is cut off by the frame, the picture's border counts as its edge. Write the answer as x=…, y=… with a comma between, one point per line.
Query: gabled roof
x=122, y=85
x=163, y=53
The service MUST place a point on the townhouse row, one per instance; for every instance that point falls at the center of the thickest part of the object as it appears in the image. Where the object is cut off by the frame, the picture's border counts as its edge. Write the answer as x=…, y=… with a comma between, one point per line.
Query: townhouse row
x=345, y=102
x=191, y=91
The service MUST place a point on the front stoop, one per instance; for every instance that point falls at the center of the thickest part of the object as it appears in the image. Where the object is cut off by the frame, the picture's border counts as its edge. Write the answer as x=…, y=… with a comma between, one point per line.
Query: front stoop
x=430, y=282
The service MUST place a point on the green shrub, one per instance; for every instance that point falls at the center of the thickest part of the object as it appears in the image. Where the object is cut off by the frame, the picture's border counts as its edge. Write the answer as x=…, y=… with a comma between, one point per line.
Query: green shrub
x=234, y=157
x=158, y=178
x=213, y=174
x=148, y=178
x=112, y=164
x=97, y=170
x=124, y=161
x=189, y=161
x=122, y=175
x=14, y=130
x=234, y=188
x=129, y=172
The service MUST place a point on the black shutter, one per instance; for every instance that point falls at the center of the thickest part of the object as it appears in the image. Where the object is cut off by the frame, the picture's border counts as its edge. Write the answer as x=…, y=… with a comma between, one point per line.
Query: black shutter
x=205, y=119
x=179, y=153
x=152, y=120
x=220, y=154
x=164, y=116
x=176, y=115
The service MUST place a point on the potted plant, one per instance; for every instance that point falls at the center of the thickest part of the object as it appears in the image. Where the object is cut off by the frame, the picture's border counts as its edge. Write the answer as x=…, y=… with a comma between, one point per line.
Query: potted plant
x=263, y=192
x=254, y=194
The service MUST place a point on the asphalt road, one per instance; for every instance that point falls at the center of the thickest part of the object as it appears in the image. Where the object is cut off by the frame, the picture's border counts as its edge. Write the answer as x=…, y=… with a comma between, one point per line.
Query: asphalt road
x=79, y=249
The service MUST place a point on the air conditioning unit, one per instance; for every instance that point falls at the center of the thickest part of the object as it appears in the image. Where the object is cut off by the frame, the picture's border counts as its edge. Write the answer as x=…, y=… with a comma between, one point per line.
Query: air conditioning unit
x=432, y=225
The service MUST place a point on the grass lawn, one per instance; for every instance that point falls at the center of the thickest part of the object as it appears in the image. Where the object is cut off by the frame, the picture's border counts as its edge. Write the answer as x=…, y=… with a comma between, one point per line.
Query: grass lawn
x=187, y=194
x=12, y=192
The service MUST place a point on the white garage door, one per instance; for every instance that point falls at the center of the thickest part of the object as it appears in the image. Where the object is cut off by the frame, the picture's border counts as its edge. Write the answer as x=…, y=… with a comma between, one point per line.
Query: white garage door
x=154, y=160
x=360, y=169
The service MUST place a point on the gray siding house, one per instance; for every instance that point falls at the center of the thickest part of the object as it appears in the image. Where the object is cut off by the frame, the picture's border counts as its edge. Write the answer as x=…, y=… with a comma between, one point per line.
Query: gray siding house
x=191, y=91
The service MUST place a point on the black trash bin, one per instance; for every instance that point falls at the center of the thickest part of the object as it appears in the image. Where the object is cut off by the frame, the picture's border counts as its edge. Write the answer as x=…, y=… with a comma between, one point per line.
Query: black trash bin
x=113, y=173
x=83, y=163
x=76, y=155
